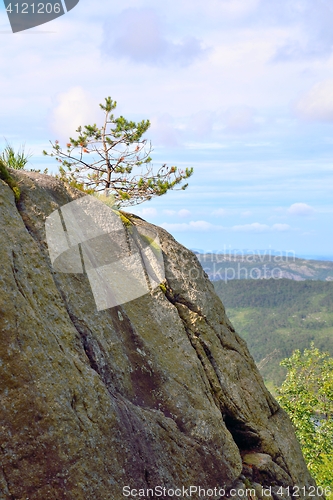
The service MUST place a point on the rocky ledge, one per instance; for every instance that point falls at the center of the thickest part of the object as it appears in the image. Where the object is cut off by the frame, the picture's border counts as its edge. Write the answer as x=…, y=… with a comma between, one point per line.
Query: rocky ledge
x=159, y=392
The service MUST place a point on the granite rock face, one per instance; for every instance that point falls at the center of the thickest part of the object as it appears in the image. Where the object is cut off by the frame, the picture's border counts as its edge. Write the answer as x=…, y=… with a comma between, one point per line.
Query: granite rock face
x=159, y=391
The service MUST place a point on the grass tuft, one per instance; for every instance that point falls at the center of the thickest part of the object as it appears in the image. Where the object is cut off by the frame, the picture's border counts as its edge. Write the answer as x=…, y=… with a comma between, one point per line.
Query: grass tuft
x=16, y=160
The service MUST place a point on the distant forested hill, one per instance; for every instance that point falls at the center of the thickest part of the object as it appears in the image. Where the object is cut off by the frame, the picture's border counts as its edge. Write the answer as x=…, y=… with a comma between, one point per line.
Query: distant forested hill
x=242, y=266
x=277, y=316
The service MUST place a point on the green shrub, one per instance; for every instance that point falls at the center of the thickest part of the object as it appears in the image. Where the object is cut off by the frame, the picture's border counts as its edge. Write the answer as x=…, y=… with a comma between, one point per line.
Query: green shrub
x=307, y=396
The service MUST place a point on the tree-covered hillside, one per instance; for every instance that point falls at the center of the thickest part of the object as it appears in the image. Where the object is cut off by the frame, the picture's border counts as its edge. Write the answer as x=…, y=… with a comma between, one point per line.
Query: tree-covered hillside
x=276, y=317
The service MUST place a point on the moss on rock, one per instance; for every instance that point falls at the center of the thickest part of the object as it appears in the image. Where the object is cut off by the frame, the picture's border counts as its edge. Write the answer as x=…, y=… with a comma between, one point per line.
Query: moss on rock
x=6, y=177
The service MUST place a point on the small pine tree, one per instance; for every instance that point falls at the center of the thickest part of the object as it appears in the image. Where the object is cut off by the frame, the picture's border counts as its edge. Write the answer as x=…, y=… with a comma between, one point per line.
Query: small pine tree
x=103, y=159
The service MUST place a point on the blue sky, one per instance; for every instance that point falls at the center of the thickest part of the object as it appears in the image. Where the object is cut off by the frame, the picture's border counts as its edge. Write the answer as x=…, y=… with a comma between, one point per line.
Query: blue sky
x=242, y=90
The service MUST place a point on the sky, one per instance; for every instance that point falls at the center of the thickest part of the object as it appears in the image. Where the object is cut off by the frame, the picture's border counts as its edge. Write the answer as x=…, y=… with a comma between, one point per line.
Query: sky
x=240, y=90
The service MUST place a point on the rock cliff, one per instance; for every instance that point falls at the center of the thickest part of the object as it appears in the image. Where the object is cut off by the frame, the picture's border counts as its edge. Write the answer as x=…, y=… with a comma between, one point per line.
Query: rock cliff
x=157, y=392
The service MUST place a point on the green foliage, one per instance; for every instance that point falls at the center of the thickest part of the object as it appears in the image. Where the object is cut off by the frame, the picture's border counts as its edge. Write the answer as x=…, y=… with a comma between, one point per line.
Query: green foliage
x=103, y=158
x=12, y=159
x=275, y=317
x=307, y=396
x=74, y=183
x=268, y=293
x=6, y=177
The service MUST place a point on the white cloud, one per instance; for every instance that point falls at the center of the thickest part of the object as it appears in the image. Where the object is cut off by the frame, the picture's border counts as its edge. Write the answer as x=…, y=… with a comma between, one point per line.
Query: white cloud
x=204, y=125
x=308, y=233
x=199, y=225
x=240, y=119
x=150, y=212
x=220, y=212
x=140, y=37
x=235, y=8
x=184, y=213
x=181, y=213
x=74, y=107
x=200, y=124
x=301, y=209
x=255, y=227
x=280, y=227
x=317, y=103
x=223, y=10
x=163, y=131
x=311, y=35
